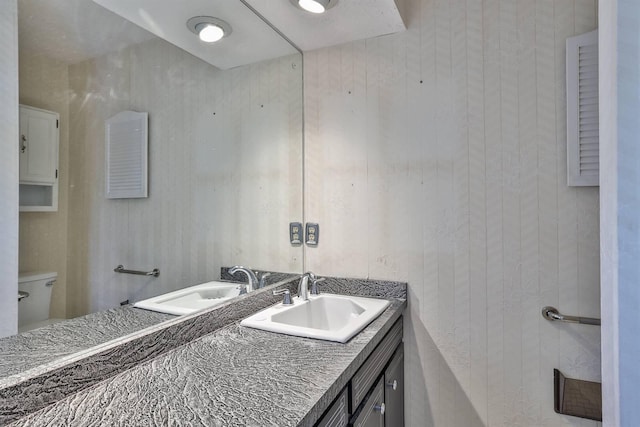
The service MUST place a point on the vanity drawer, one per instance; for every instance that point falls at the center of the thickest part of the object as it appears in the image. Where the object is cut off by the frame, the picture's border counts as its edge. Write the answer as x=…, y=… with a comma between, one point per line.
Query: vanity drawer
x=338, y=413
x=372, y=368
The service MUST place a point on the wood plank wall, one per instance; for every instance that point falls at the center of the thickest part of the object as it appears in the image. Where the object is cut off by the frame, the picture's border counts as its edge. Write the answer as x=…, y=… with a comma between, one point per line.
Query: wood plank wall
x=438, y=156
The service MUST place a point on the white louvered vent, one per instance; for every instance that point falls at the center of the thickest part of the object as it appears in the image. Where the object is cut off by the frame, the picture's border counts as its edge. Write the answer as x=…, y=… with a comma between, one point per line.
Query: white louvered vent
x=582, y=110
x=127, y=149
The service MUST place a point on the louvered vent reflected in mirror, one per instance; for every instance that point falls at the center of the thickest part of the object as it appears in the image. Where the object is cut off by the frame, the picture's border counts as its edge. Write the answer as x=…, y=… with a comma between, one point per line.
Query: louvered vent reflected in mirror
x=127, y=152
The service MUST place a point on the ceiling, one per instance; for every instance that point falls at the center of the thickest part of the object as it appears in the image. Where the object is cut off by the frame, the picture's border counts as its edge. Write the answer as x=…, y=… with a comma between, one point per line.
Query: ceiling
x=250, y=41
x=73, y=30
x=347, y=21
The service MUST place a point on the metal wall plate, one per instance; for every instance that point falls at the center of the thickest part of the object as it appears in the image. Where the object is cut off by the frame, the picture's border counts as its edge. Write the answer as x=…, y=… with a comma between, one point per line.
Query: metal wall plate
x=295, y=233
x=312, y=234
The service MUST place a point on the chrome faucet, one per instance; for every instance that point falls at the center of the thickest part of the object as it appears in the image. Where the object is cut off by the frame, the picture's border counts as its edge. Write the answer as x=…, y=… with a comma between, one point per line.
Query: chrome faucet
x=303, y=286
x=263, y=280
x=252, y=280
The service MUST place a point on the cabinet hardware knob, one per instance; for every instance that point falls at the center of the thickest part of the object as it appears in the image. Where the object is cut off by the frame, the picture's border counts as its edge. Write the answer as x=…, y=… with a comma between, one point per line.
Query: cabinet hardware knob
x=23, y=145
x=381, y=407
x=393, y=384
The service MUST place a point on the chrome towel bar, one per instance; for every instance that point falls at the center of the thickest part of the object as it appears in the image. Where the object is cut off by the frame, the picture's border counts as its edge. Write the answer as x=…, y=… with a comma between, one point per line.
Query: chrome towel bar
x=120, y=269
x=552, y=313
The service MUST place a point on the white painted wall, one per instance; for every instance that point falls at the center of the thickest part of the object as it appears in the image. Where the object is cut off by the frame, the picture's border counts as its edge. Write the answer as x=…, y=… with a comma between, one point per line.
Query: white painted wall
x=8, y=167
x=438, y=156
x=225, y=174
x=620, y=207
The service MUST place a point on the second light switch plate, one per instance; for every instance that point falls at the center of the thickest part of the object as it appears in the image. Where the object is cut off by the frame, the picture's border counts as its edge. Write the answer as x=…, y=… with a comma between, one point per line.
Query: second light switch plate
x=312, y=234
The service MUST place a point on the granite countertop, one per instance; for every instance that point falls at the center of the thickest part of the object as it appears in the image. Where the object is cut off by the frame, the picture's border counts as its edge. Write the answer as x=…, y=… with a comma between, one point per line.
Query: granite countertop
x=31, y=349
x=234, y=376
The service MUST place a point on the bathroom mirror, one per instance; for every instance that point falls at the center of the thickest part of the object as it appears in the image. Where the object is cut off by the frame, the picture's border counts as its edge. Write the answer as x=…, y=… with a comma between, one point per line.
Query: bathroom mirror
x=225, y=159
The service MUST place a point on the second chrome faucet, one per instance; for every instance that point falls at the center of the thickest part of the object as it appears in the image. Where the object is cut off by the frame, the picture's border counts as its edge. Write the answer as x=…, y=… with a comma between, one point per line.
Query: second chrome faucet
x=303, y=288
x=303, y=285
x=252, y=280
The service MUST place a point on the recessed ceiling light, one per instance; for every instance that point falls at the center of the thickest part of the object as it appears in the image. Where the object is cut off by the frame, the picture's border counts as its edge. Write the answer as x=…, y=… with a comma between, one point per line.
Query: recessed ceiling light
x=209, y=33
x=315, y=6
x=208, y=28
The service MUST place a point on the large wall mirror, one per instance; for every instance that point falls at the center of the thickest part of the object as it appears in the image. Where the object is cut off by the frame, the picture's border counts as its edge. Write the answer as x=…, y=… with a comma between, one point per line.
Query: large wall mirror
x=225, y=155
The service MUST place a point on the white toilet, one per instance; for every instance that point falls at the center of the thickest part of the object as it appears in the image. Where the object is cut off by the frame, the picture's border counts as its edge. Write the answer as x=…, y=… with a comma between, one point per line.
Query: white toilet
x=34, y=296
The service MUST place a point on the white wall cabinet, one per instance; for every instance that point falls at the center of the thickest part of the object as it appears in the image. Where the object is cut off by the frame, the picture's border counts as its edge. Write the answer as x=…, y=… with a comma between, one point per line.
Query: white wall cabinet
x=38, y=148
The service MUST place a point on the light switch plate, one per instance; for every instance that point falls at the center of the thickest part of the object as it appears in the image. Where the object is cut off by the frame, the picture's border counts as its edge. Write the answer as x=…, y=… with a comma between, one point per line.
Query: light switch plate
x=312, y=233
x=295, y=233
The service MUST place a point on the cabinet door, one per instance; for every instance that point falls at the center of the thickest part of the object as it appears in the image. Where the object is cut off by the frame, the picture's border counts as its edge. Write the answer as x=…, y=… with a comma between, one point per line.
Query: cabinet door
x=394, y=390
x=373, y=367
x=337, y=415
x=373, y=409
x=38, y=146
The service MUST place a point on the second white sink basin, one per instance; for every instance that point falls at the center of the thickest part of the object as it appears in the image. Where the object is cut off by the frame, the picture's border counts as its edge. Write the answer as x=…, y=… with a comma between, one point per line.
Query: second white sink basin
x=191, y=299
x=325, y=316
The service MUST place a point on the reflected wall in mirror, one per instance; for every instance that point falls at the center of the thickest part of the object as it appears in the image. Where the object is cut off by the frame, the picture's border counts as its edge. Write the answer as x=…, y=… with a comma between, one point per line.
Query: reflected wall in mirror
x=225, y=163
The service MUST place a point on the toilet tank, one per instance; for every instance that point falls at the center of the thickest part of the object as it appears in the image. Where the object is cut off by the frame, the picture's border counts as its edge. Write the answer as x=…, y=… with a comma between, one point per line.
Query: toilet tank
x=35, y=307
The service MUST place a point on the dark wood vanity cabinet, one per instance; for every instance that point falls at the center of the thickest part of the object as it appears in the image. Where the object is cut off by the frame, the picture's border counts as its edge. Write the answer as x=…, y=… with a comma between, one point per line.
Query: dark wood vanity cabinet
x=375, y=395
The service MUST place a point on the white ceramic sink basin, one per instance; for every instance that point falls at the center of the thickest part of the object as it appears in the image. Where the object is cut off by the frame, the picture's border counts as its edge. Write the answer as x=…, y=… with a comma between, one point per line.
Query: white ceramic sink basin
x=325, y=316
x=191, y=299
